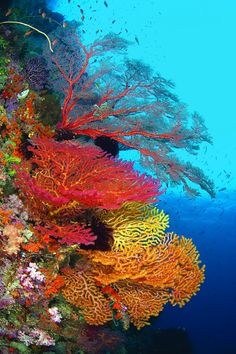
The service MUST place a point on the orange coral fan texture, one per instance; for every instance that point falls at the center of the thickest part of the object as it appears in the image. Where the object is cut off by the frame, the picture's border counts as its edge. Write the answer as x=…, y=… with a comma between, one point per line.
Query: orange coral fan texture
x=145, y=278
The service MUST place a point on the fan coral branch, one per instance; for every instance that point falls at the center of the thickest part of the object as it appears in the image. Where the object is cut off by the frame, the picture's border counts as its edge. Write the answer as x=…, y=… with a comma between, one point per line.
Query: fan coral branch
x=142, y=301
x=135, y=224
x=81, y=290
x=70, y=176
x=68, y=234
x=131, y=107
x=141, y=279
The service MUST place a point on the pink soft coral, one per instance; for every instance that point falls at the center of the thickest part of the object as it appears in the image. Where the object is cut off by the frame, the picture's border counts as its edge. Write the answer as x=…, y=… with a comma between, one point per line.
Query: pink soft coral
x=14, y=238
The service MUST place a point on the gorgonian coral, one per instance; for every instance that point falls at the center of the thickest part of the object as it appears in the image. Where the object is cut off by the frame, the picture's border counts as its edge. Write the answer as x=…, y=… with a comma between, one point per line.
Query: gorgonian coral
x=131, y=106
x=69, y=177
x=81, y=290
x=35, y=72
x=135, y=224
x=145, y=278
x=88, y=242
x=168, y=265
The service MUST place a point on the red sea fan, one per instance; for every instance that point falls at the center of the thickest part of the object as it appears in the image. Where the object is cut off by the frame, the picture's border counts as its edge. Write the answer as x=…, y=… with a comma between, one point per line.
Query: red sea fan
x=70, y=234
x=70, y=177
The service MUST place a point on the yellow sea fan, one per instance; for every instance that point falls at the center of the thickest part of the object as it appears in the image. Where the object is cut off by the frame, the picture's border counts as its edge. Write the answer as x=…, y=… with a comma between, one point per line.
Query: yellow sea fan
x=136, y=224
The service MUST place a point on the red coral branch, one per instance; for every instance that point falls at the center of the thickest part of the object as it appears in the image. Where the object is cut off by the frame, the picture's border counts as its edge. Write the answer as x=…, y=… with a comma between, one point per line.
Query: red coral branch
x=69, y=234
x=70, y=176
x=132, y=108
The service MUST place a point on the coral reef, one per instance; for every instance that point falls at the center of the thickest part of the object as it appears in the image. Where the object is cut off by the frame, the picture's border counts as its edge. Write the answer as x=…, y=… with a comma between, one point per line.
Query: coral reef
x=83, y=246
x=70, y=176
x=35, y=72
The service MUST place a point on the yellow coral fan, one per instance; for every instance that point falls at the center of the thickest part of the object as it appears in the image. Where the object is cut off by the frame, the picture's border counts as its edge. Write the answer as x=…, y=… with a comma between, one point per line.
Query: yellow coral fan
x=80, y=290
x=135, y=223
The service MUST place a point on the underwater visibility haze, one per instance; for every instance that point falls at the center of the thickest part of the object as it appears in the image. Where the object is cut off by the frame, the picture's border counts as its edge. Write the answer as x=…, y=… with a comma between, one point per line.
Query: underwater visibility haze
x=117, y=188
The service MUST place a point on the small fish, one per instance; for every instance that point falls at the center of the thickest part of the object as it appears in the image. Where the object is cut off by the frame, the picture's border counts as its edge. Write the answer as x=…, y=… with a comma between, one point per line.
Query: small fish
x=54, y=42
x=28, y=33
x=64, y=25
x=105, y=3
x=83, y=30
x=82, y=18
x=113, y=21
x=43, y=14
x=9, y=12
x=222, y=189
x=23, y=94
x=97, y=31
x=82, y=11
x=136, y=39
x=126, y=30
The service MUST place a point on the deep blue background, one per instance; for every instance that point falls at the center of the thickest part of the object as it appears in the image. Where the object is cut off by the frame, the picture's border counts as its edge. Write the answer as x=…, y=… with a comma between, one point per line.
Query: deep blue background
x=209, y=317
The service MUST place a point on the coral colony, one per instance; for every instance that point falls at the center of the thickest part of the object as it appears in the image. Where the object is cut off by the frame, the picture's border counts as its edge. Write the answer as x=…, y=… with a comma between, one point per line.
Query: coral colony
x=84, y=247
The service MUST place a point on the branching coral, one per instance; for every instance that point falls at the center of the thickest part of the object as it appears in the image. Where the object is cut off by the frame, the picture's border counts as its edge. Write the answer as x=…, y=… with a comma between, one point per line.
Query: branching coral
x=69, y=234
x=87, y=243
x=69, y=177
x=81, y=290
x=35, y=72
x=132, y=107
x=145, y=278
x=135, y=223
x=142, y=301
x=164, y=267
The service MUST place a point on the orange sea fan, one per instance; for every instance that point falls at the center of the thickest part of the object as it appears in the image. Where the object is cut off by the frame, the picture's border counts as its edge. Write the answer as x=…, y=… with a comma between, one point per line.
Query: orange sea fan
x=142, y=301
x=81, y=290
x=144, y=279
x=173, y=266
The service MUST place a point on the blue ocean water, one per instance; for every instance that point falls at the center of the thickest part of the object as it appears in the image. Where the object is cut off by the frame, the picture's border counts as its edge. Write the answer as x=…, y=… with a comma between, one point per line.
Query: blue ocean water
x=191, y=43
x=209, y=318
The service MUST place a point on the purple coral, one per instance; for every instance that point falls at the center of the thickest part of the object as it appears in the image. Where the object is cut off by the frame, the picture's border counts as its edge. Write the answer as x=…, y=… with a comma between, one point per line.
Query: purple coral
x=35, y=72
